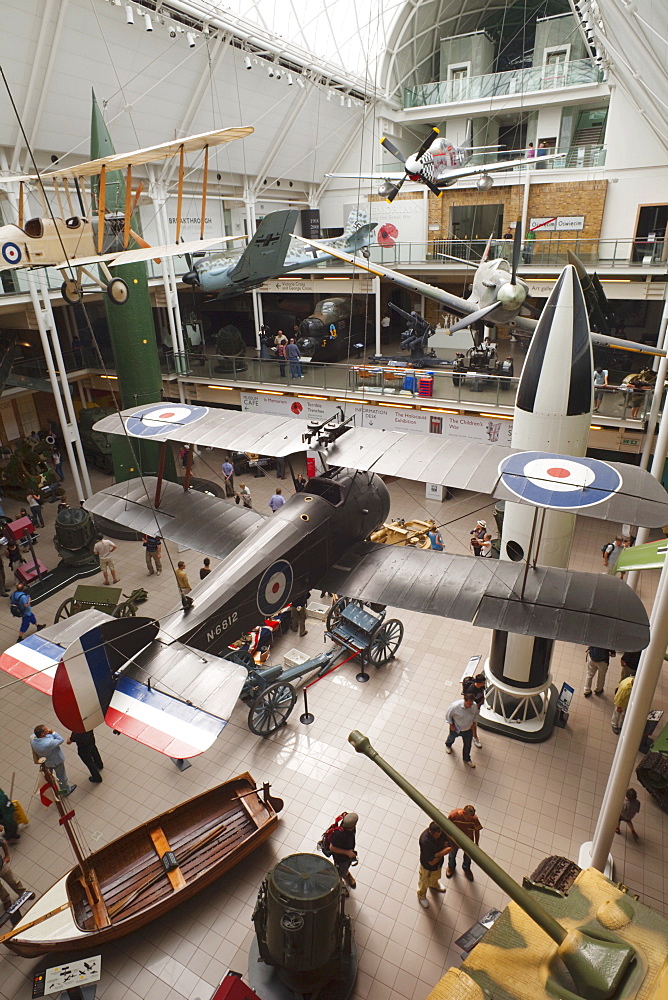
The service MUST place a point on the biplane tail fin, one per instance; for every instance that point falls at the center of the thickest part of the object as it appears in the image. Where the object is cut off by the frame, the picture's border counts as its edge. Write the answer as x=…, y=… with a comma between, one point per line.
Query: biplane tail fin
x=265, y=254
x=85, y=678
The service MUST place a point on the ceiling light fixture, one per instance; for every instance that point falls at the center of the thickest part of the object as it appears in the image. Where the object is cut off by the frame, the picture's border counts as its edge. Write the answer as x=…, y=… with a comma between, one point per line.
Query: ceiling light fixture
x=191, y=39
x=290, y=80
x=270, y=70
x=300, y=82
x=147, y=22
x=129, y=14
x=247, y=60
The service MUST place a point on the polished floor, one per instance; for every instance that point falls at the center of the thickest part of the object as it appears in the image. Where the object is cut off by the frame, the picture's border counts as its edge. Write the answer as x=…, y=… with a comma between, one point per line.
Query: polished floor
x=532, y=800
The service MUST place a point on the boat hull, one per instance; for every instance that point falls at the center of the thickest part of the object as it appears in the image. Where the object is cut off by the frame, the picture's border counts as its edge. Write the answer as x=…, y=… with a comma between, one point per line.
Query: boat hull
x=208, y=836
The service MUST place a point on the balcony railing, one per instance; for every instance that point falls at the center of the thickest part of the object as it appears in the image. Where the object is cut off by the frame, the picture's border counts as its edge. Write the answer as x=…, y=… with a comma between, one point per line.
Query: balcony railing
x=381, y=383
x=577, y=73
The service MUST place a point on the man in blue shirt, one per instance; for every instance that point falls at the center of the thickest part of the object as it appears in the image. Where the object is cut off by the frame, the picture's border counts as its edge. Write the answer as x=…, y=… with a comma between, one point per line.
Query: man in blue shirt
x=293, y=355
x=228, y=477
x=435, y=538
x=45, y=743
x=277, y=501
x=22, y=602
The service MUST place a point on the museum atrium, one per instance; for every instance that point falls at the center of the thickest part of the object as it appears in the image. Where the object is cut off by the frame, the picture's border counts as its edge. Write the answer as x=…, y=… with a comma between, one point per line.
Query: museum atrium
x=564, y=105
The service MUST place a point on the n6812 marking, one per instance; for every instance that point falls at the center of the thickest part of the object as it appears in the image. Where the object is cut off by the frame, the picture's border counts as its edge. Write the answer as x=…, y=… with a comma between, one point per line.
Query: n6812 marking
x=221, y=627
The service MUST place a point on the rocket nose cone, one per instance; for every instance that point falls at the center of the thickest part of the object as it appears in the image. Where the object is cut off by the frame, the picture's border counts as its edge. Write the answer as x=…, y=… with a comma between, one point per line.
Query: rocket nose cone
x=557, y=375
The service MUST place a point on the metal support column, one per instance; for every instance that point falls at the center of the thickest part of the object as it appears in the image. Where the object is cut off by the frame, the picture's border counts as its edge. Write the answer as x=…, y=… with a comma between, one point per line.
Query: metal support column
x=376, y=290
x=46, y=325
x=159, y=196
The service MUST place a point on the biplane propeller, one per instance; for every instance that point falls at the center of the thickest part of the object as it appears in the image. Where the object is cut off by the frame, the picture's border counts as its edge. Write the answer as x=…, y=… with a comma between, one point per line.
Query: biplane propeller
x=78, y=238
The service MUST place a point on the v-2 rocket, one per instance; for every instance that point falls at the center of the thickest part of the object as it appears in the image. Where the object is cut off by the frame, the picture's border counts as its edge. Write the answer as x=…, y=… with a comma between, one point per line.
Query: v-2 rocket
x=552, y=415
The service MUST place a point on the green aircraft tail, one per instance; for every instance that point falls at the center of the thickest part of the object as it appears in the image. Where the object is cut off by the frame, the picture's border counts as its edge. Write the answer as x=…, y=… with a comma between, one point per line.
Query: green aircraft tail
x=265, y=254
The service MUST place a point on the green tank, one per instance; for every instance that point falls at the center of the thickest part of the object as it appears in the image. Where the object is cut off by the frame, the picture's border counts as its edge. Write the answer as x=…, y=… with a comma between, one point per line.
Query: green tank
x=567, y=934
x=96, y=446
x=652, y=771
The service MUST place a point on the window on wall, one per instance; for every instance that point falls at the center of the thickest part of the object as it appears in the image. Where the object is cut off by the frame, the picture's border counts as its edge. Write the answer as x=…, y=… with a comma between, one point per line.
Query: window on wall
x=555, y=62
x=27, y=414
x=458, y=75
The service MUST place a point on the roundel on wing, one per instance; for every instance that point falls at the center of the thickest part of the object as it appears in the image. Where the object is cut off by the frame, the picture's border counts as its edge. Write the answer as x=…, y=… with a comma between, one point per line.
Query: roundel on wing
x=559, y=481
x=162, y=417
x=273, y=592
x=12, y=253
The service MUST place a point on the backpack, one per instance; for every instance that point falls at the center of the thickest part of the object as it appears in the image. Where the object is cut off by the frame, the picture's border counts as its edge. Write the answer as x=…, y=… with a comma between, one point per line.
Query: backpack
x=14, y=606
x=607, y=548
x=326, y=839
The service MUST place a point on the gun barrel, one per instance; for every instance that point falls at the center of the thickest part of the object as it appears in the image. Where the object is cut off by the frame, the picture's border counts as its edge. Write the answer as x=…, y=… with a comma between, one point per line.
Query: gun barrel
x=523, y=899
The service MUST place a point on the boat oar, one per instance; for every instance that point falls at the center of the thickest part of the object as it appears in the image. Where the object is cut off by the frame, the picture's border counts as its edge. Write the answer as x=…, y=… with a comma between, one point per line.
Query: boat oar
x=24, y=927
x=122, y=903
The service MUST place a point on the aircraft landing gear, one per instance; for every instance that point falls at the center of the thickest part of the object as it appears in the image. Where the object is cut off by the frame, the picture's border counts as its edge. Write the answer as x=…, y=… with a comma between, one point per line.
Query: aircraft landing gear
x=118, y=291
x=71, y=292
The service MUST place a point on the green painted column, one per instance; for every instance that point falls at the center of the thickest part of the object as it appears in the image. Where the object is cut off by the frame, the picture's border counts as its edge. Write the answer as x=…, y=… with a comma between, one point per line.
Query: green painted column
x=131, y=329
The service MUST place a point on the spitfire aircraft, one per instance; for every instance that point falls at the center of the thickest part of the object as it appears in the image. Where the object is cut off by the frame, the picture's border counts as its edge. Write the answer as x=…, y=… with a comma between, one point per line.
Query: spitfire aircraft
x=498, y=294
x=75, y=241
x=439, y=164
x=271, y=253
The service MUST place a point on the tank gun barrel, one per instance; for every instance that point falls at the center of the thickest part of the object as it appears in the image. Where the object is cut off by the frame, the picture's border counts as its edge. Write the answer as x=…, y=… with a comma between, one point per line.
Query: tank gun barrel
x=597, y=963
x=496, y=873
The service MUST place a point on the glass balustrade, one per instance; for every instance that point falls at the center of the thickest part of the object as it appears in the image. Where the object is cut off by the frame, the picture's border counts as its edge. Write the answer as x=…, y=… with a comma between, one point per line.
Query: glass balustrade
x=577, y=73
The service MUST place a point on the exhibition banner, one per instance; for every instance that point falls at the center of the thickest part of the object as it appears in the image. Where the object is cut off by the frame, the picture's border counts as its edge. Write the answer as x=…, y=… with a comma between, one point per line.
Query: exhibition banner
x=490, y=430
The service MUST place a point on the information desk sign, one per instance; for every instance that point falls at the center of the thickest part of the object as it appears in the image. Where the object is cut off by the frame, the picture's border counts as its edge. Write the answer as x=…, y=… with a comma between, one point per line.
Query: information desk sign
x=72, y=980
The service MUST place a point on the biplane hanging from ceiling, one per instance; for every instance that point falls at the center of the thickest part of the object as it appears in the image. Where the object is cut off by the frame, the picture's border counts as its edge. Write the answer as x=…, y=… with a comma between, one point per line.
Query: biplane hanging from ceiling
x=79, y=237
x=168, y=684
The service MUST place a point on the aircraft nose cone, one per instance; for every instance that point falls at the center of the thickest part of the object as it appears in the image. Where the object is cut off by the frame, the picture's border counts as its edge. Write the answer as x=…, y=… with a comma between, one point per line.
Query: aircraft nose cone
x=511, y=296
x=311, y=327
x=190, y=278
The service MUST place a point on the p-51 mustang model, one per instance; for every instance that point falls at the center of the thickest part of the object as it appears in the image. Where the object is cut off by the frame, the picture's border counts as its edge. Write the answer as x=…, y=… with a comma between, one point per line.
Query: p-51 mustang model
x=439, y=164
x=273, y=252
x=75, y=241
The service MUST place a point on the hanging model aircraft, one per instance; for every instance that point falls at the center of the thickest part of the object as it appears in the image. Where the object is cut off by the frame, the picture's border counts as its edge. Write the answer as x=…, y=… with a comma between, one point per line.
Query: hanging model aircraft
x=439, y=164
x=497, y=294
x=271, y=253
x=74, y=241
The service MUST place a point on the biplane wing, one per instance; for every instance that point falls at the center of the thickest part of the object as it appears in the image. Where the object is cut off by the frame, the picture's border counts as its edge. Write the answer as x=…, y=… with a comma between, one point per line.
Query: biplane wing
x=150, y=154
x=35, y=659
x=604, y=490
x=187, y=517
x=553, y=603
x=146, y=253
x=102, y=669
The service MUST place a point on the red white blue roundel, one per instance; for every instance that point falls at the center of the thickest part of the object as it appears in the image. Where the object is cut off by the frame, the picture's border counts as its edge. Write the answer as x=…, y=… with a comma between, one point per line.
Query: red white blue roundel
x=11, y=253
x=275, y=586
x=559, y=481
x=161, y=418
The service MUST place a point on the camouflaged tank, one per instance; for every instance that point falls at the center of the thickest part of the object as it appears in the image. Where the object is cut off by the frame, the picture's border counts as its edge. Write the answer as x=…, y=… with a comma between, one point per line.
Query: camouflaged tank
x=652, y=771
x=96, y=446
x=566, y=934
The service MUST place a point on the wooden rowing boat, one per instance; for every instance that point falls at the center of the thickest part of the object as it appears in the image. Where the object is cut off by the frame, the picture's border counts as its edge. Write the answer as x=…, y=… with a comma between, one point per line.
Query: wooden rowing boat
x=127, y=884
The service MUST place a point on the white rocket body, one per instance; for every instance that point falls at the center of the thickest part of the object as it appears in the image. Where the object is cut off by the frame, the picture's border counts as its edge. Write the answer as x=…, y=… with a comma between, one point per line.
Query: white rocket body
x=552, y=414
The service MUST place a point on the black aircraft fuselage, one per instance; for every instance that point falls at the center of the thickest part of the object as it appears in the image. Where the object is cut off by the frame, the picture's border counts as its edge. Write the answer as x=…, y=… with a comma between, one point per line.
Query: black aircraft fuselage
x=287, y=556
